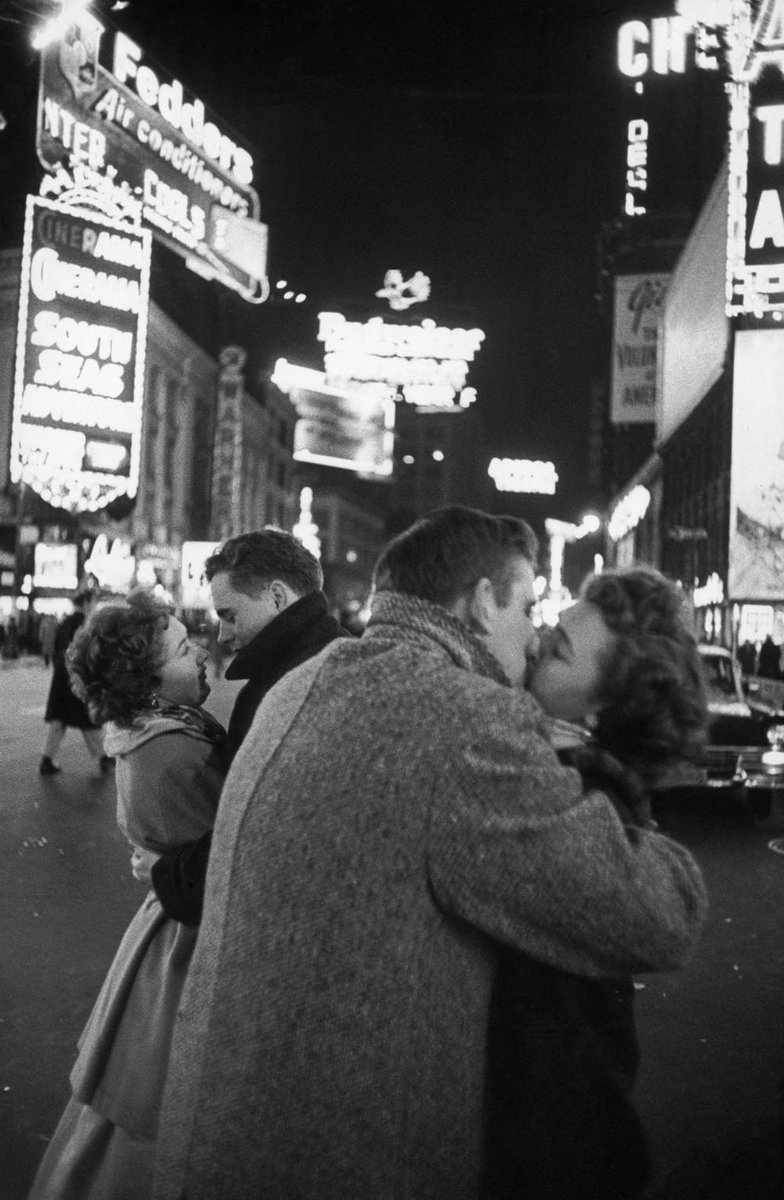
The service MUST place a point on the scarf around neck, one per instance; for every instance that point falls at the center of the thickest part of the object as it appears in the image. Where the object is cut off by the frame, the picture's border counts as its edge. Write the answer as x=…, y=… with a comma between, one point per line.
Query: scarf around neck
x=169, y=718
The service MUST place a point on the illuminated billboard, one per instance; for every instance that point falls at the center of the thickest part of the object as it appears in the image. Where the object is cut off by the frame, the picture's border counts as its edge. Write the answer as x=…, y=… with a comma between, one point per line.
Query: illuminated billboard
x=425, y=365
x=349, y=429
x=638, y=307
x=126, y=129
x=79, y=385
x=755, y=225
x=756, y=552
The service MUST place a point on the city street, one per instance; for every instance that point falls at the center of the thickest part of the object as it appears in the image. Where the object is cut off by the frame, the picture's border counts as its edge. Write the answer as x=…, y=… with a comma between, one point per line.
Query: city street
x=712, y=1036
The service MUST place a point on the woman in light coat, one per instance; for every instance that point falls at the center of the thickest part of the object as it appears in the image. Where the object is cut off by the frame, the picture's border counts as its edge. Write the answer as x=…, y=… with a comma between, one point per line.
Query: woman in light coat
x=136, y=668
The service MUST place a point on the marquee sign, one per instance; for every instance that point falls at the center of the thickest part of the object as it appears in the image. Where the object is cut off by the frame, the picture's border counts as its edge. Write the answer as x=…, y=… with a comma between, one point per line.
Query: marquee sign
x=425, y=365
x=755, y=225
x=79, y=386
x=130, y=126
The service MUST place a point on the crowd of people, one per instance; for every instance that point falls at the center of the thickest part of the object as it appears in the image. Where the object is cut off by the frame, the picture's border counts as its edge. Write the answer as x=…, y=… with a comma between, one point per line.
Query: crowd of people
x=397, y=906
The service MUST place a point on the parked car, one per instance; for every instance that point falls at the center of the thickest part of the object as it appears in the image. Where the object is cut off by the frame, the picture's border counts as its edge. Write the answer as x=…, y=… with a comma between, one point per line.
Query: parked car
x=745, y=757
x=738, y=716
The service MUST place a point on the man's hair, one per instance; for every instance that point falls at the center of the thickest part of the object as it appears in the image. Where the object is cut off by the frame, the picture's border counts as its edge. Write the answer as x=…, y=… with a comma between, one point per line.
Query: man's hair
x=253, y=560
x=115, y=659
x=449, y=549
x=653, y=689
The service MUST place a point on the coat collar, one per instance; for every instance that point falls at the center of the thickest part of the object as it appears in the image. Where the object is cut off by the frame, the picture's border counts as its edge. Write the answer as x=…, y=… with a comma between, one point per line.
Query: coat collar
x=276, y=639
x=414, y=620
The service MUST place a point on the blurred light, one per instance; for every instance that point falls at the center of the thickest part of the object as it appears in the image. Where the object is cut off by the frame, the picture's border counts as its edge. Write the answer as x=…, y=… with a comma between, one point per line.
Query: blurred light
x=438, y=455
x=55, y=28
x=351, y=556
x=408, y=459
x=300, y=297
x=3, y=122
x=288, y=295
x=281, y=283
x=589, y=524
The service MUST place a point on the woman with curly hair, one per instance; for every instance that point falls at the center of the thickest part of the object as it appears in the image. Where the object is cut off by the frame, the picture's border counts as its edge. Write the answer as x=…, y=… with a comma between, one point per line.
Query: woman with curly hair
x=135, y=667
x=621, y=681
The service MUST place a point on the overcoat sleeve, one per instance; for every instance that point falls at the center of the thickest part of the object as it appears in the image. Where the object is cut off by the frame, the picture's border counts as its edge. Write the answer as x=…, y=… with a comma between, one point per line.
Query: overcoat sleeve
x=517, y=848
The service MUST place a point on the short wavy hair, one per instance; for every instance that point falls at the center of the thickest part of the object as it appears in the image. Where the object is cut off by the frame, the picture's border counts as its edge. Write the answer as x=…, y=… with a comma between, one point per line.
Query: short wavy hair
x=654, y=709
x=253, y=560
x=448, y=549
x=114, y=662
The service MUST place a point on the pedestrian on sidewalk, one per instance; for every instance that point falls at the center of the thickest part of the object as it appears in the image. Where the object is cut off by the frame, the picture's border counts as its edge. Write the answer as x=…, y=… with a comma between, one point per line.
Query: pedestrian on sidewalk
x=266, y=588
x=47, y=636
x=136, y=668
x=395, y=812
x=620, y=675
x=64, y=709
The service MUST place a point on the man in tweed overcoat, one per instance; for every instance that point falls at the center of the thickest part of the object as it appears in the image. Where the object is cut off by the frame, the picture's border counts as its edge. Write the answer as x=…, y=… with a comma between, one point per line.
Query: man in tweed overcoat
x=394, y=813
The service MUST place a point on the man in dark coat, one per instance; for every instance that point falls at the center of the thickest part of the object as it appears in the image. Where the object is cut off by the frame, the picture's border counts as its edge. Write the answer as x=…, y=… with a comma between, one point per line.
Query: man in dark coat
x=267, y=591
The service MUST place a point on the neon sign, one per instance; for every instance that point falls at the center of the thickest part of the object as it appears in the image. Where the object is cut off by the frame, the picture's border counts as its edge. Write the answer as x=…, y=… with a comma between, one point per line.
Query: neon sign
x=755, y=221
x=523, y=475
x=425, y=365
x=663, y=47
x=148, y=137
x=79, y=388
x=669, y=45
x=628, y=512
x=636, y=166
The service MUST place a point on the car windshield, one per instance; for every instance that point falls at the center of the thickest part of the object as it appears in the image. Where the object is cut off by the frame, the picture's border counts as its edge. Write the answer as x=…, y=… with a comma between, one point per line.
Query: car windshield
x=720, y=677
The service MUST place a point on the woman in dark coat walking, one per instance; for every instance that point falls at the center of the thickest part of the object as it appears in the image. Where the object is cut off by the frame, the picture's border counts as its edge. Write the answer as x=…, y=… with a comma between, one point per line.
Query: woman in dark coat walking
x=63, y=708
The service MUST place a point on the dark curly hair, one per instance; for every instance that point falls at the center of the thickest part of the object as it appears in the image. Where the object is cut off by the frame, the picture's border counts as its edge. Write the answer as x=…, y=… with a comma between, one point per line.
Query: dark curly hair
x=114, y=661
x=654, y=709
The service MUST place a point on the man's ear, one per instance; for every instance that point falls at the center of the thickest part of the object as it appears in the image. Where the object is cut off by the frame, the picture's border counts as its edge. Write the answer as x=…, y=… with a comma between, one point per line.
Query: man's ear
x=481, y=603
x=280, y=595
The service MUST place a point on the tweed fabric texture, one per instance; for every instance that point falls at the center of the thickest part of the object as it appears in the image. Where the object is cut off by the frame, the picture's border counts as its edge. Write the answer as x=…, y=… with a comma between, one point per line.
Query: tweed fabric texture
x=394, y=812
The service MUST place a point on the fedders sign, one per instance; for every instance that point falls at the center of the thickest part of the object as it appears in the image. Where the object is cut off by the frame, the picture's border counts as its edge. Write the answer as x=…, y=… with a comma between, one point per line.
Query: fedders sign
x=79, y=387
x=106, y=112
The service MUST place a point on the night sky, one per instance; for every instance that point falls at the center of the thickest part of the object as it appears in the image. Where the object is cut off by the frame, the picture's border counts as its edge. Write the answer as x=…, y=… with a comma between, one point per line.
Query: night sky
x=479, y=142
